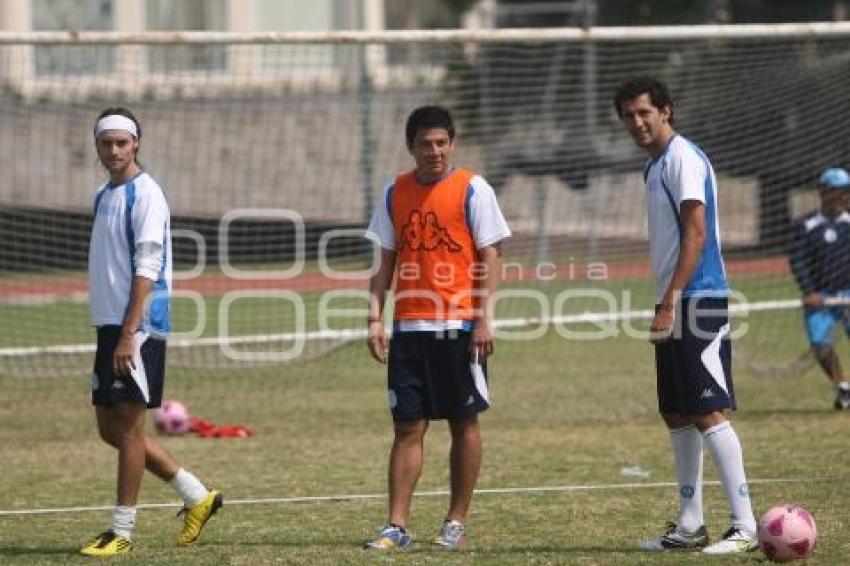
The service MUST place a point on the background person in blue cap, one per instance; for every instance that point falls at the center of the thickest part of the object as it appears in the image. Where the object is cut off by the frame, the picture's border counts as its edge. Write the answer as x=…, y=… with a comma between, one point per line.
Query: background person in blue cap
x=820, y=262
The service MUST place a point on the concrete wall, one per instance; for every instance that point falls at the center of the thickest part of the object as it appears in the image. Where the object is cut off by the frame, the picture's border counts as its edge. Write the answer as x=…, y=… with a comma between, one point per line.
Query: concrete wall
x=301, y=152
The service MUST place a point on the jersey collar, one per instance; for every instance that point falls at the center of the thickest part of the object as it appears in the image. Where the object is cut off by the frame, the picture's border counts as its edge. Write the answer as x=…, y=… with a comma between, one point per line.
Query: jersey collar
x=653, y=160
x=448, y=174
x=110, y=186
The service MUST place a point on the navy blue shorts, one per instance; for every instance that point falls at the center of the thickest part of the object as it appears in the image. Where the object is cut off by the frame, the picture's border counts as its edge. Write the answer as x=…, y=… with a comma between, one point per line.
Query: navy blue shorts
x=694, y=369
x=145, y=386
x=430, y=377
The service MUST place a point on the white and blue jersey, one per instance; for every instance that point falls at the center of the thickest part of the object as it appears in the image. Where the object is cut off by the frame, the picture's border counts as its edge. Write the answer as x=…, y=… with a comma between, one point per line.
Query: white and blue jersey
x=683, y=172
x=131, y=236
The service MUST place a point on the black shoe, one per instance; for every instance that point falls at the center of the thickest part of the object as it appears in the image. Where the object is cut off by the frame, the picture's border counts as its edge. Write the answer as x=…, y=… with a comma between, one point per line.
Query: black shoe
x=677, y=539
x=842, y=400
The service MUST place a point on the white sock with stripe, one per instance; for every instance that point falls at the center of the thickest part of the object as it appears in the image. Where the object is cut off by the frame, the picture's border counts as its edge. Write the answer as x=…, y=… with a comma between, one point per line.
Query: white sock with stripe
x=725, y=449
x=123, y=521
x=188, y=487
x=687, y=457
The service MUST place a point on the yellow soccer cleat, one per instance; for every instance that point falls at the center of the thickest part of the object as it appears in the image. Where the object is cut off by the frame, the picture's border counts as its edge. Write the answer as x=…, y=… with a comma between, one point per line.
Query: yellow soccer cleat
x=107, y=543
x=195, y=518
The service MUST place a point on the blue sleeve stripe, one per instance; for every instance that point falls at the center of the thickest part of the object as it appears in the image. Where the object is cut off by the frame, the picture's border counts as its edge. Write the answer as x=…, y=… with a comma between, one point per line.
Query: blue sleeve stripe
x=467, y=206
x=389, y=201
x=97, y=200
x=130, y=196
x=164, y=248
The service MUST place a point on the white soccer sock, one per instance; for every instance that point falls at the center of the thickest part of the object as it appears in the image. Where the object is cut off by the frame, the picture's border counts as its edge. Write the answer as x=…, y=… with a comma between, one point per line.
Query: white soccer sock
x=841, y=386
x=188, y=487
x=687, y=456
x=123, y=521
x=729, y=459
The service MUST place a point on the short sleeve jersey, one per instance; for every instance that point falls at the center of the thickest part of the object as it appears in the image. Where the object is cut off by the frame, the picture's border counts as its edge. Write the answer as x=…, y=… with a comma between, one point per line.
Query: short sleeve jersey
x=683, y=172
x=487, y=223
x=125, y=216
x=479, y=220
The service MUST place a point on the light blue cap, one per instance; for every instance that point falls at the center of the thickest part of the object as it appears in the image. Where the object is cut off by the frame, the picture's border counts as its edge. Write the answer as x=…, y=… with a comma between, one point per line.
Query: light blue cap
x=834, y=178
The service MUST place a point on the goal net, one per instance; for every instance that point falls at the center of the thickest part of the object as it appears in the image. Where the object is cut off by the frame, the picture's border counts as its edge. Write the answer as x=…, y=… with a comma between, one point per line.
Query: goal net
x=273, y=150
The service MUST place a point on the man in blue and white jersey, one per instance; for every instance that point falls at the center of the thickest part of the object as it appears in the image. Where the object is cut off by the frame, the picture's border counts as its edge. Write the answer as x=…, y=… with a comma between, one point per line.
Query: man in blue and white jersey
x=820, y=261
x=691, y=325
x=129, y=286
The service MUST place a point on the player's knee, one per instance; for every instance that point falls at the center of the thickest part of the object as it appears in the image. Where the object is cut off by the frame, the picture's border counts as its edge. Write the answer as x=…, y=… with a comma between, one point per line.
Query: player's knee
x=121, y=431
x=131, y=435
x=706, y=421
x=674, y=420
x=410, y=430
x=107, y=435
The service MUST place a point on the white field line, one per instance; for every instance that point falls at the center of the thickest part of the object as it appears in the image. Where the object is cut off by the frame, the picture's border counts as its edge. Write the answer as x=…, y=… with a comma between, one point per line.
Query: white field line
x=359, y=333
x=435, y=493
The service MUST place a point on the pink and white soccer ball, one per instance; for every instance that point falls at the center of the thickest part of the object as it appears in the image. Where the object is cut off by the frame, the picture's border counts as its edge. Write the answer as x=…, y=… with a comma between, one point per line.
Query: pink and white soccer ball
x=787, y=532
x=172, y=418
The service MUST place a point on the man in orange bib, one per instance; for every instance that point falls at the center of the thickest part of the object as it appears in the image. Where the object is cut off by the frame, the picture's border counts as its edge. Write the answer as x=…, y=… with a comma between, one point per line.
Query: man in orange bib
x=440, y=230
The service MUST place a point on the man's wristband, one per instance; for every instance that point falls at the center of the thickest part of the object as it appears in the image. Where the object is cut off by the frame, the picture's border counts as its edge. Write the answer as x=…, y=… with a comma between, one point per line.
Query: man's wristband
x=375, y=319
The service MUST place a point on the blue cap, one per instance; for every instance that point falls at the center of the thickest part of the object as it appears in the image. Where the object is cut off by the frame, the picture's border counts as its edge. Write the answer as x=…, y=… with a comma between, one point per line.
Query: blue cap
x=834, y=178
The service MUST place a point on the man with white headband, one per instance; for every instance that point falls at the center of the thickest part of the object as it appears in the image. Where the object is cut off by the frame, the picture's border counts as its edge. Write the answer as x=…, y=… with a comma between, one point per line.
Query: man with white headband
x=129, y=287
x=116, y=122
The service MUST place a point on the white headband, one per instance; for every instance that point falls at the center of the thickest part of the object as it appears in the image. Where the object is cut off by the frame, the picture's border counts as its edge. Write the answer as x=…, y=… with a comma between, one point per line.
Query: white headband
x=115, y=122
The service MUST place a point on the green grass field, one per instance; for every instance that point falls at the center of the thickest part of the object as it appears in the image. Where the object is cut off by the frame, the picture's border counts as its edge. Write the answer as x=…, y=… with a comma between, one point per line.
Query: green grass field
x=66, y=321
x=565, y=414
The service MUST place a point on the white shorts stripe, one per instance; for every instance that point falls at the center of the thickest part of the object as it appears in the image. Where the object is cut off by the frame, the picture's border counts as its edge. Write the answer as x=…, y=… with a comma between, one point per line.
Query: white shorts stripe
x=480, y=381
x=139, y=374
x=711, y=358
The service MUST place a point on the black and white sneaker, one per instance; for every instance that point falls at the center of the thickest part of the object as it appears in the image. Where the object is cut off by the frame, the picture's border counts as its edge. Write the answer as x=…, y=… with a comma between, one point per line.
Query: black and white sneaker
x=734, y=541
x=842, y=400
x=675, y=538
